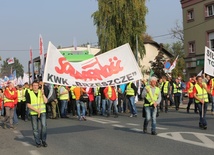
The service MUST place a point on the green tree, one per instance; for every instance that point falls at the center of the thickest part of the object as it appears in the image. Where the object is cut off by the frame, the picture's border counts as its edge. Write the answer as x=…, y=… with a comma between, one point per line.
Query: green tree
x=119, y=22
x=158, y=64
x=7, y=68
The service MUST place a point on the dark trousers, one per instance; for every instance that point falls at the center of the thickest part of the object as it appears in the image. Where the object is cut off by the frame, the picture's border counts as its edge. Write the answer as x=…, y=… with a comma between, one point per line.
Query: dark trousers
x=164, y=101
x=23, y=110
x=171, y=100
x=73, y=106
x=18, y=108
x=191, y=100
x=177, y=101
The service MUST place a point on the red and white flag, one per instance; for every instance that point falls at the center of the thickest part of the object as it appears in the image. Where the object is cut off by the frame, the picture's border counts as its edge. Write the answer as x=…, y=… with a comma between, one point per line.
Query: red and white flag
x=10, y=60
x=32, y=64
x=173, y=64
x=41, y=54
x=31, y=55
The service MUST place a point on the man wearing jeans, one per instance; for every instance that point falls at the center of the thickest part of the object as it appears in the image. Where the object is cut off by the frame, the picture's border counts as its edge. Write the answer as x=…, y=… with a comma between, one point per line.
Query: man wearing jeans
x=152, y=97
x=97, y=99
x=200, y=92
x=111, y=95
x=36, y=101
x=78, y=91
x=63, y=97
x=131, y=91
x=104, y=101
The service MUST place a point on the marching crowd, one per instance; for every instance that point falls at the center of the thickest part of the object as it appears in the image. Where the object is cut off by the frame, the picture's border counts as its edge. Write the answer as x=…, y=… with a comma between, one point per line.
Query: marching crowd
x=38, y=101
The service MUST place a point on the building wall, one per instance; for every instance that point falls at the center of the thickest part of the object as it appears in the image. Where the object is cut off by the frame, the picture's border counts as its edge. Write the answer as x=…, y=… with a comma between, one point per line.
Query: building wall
x=196, y=30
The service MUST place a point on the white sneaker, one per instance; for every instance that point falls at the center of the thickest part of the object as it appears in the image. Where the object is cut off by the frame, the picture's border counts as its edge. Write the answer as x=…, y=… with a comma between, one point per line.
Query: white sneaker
x=131, y=115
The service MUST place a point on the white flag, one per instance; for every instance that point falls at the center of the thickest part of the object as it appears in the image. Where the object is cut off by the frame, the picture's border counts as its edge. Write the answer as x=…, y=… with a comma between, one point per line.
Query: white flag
x=200, y=73
x=10, y=60
x=114, y=67
x=173, y=64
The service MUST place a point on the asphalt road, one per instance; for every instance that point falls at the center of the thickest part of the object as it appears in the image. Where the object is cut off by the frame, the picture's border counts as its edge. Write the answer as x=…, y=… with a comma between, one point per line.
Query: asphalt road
x=178, y=133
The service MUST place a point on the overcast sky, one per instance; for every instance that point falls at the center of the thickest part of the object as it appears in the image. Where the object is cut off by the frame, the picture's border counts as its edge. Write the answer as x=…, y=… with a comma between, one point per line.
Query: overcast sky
x=21, y=22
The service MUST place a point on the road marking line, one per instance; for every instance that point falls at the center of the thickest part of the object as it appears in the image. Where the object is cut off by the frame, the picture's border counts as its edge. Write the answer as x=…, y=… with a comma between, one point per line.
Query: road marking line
x=177, y=136
x=137, y=130
x=15, y=131
x=20, y=136
x=161, y=128
x=102, y=121
x=34, y=152
x=25, y=144
x=119, y=126
x=132, y=124
x=205, y=141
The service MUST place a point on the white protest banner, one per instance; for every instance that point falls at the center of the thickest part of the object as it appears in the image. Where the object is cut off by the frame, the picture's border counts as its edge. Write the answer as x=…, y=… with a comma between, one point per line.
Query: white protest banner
x=114, y=67
x=209, y=61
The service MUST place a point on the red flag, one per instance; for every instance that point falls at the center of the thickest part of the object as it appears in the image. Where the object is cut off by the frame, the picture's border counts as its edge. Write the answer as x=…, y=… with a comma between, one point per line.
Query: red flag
x=41, y=54
x=173, y=64
x=32, y=64
x=31, y=56
x=10, y=60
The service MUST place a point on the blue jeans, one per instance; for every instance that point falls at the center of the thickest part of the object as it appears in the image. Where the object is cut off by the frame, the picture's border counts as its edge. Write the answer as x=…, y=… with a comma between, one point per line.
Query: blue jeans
x=132, y=105
x=64, y=105
x=202, y=119
x=82, y=104
x=2, y=109
x=151, y=112
x=15, y=118
x=97, y=101
x=104, y=103
x=110, y=102
x=42, y=134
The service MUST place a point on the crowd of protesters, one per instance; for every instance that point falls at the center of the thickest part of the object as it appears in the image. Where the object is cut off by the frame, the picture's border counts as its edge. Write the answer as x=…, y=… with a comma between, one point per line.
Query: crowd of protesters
x=79, y=102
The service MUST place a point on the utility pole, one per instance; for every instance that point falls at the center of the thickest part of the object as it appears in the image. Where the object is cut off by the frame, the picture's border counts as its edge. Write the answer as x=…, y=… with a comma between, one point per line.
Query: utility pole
x=137, y=49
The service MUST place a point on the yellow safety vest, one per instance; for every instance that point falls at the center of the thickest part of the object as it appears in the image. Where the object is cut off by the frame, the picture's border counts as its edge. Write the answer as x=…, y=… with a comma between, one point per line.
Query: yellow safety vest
x=151, y=98
x=64, y=96
x=165, y=87
x=72, y=92
x=20, y=95
x=8, y=100
x=201, y=94
x=97, y=93
x=37, y=102
x=110, y=92
x=129, y=90
x=23, y=94
x=191, y=88
x=175, y=90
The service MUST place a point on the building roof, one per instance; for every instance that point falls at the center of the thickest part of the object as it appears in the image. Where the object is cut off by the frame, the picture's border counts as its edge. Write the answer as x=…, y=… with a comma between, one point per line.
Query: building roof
x=158, y=46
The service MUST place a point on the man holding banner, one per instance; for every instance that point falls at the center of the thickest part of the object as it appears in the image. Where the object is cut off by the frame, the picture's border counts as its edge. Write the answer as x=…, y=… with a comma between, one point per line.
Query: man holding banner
x=200, y=92
x=36, y=101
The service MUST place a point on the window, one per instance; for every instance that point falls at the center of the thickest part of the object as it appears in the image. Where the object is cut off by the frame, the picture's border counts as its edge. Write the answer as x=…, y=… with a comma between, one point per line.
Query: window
x=210, y=10
x=212, y=44
x=211, y=40
x=191, y=47
x=190, y=15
